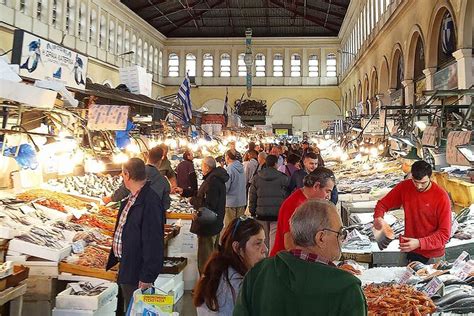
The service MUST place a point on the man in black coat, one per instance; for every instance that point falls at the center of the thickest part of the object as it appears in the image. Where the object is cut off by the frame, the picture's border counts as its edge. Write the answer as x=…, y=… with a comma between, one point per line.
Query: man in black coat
x=211, y=194
x=138, y=242
x=267, y=192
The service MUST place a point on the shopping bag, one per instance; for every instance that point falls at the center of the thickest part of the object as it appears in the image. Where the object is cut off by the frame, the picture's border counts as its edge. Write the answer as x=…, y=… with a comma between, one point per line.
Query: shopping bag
x=151, y=302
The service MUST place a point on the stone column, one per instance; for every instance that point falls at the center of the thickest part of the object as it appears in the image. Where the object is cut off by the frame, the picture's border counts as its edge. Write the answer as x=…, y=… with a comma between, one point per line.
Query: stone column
x=409, y=88
x=234, y=61
x=429, y=72
x=465, y=76
x=269, y=63
x=199, y=65
x=164, y=67
x=304, y=64
x=217, y=64
x=182, y=63
x=287, y=63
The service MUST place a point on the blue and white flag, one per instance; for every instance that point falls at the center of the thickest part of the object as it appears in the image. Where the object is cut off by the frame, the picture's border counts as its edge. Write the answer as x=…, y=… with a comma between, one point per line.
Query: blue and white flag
x=447, y=34
x=184, y=95
x=226, y=101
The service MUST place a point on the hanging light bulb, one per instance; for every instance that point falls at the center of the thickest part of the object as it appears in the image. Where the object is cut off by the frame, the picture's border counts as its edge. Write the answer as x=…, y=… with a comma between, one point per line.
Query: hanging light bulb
x=120, y=158
x=381, y=147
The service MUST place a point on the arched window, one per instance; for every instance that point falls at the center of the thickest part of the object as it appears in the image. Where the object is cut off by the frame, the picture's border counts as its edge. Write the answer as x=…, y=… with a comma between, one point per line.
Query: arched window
x=207, y=65
x=277, y=65
x=111, y=45
x=139, y=52
x=102, y=31
x=144, y=61
x=119, y=49
x=41, y=9
x=70, y=17
x=191, y=65
x=81, y=23
x=313, y=66
x=446, y=41
x=400, y=73
x=331, y=66
x=160, y=64
x=126, y=42
x=260, y=65
x=419, y=60
x=225, y=65
x=23, y=6
x=56, y=13
x=242, y=68
x=151, y=59
x=295, y=65
x=93, y=27
x=173, y=65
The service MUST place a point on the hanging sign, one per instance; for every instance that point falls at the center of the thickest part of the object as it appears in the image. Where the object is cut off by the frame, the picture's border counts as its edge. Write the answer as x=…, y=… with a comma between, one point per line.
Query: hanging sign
x=446, y=78
x=107, y=117
x=44, y=60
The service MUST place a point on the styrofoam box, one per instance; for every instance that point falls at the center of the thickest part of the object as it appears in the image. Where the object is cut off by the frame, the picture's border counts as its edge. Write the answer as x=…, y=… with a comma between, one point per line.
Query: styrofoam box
x=39, y=251
x=28, y=94
x=164, y=278
x=164, y=284
x=178, y=291
x=66, y=301
x=8, y=232
x=107, y=310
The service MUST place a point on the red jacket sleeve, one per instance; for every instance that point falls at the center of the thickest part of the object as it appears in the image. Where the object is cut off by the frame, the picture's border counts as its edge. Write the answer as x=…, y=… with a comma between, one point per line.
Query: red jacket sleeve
x=392, y=200
x=441, y=236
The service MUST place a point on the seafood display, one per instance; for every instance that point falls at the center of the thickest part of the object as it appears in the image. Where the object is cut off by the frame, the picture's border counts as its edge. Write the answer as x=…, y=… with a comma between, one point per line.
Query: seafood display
x=180, y=205
x=89, y=184
x=68, y=226
x=87, y=289
x=393, y=299
x=44, y=236
x=93, y=257
x=94, y=236
x=105, y=223
x=54, y=200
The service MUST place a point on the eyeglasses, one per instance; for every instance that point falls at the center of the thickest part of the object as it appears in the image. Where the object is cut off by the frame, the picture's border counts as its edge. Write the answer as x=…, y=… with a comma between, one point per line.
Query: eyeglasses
x=341, y=234
x=239, y=220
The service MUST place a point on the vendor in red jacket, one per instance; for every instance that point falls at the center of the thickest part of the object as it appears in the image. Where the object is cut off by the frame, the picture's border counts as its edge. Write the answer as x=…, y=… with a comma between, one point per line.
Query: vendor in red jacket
x=427, y=214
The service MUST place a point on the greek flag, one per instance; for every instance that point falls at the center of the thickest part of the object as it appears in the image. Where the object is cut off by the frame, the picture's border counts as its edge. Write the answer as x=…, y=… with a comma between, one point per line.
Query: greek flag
x=226, y=113
x=184, y=95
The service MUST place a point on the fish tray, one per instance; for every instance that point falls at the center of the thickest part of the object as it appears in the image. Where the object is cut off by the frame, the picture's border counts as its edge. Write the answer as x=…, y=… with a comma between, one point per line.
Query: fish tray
x=75, y=269
x=39, y=251
x=65, y=300
x=20, y=273
x=181, y=263
x=173, y=215
x=8, y=232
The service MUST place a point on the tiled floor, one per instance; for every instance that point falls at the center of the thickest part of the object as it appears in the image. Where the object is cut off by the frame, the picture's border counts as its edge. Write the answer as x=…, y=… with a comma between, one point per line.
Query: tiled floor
x=185, y=305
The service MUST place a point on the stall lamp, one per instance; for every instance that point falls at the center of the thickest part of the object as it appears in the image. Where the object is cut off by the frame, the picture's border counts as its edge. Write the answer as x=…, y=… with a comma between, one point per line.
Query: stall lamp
x=374, y=152
x=120, y=158
x=381, y=147
x=421, y=125
x=133, y=148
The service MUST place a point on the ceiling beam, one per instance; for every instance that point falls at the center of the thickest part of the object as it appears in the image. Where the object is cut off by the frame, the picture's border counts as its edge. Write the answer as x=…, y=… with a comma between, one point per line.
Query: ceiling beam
x=166, y=14
x=337, y=3
x=312, y=7
x=188, y=9
x=150, y=4
x=200, y=13
x=230, y=16
x=328, y=25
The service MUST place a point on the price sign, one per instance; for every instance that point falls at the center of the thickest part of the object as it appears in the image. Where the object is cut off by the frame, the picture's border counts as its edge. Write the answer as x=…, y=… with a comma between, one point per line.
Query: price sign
x=406, y=275
x=78, y=246
x=460, y=262
x=466, y=270
x=75, y=287
x=433, y=287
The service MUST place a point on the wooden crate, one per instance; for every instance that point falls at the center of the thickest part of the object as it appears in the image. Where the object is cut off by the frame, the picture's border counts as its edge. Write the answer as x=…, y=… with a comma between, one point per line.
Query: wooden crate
x=88, y=271
x=176, y=269
x=358, y=257
x=172, y=215
x=41, y=288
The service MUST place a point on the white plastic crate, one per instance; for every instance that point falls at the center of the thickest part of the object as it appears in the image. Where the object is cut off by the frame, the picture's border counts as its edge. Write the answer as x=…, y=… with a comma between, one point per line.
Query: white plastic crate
x=39, y=251
x=65, y=300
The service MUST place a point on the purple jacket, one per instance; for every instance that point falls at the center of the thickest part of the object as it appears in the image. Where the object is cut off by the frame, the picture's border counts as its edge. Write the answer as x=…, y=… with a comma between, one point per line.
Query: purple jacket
x=186, y=177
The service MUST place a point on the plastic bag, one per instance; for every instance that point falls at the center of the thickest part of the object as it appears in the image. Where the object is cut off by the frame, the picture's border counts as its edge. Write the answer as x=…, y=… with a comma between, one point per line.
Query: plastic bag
x=150, y=303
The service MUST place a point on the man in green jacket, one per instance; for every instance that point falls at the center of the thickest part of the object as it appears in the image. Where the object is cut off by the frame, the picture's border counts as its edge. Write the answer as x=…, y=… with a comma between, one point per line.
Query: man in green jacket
x=304, y=280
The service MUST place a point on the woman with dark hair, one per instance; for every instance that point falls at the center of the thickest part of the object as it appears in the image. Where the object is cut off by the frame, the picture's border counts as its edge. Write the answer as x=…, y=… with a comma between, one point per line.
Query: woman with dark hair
x=291, y=165
x=242, y=246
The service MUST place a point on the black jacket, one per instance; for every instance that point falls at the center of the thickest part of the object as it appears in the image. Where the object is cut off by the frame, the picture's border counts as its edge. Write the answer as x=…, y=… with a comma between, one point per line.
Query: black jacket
x=142, y=240
x=211, y=194
x=159, y=184
x=296, y=182
x=186, y=178
x=267, y=192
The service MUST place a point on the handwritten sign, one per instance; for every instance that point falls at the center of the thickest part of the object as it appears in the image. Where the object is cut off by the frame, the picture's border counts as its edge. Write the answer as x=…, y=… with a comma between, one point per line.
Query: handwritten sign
x=107, y=117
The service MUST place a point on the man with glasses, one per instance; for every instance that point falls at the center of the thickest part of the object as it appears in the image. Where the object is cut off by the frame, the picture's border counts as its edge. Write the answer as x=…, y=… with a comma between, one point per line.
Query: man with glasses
x=304, y=280
x=316, y=185
x=427, y=215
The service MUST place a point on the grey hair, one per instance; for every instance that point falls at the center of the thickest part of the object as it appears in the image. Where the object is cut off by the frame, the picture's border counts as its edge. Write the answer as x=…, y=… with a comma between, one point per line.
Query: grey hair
x=311, y=217
x=262, y=155
x=210, y=162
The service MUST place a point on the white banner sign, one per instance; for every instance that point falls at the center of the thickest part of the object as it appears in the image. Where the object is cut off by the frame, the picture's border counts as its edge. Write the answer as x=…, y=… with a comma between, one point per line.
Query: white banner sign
x=45, y=60
x=107, y=117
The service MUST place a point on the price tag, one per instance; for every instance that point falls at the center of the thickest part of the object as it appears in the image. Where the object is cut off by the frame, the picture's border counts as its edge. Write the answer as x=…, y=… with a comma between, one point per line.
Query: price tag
x=27, y=209
x=460, y=262
x=433, y=287
x=454, y=227
x=466, y=270
x=406, y=275
x=78, y=246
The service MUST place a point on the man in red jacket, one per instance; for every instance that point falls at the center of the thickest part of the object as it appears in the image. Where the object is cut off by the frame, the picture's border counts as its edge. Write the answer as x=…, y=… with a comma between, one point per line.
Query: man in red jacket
x=427, y=214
